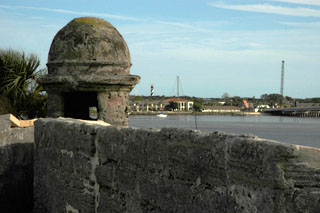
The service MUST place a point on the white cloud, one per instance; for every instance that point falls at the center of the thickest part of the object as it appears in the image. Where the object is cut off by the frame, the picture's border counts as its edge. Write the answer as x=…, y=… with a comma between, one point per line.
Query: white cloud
x=182, y=25
x=267, y=8
x=306, y=2
x=54, y=10
x=221, y=45
x=310, y=25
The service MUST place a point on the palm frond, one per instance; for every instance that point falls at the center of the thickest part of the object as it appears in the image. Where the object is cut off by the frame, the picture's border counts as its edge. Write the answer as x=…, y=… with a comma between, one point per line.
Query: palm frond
x=18, y=74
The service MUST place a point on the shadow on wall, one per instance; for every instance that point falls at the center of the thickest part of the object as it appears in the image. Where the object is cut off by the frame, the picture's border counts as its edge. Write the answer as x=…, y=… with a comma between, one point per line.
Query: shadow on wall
x=16, y=177
x=16, y=165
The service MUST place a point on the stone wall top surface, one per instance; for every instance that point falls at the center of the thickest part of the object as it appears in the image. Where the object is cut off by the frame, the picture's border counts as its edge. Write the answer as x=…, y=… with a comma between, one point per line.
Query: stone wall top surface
x=93, y=168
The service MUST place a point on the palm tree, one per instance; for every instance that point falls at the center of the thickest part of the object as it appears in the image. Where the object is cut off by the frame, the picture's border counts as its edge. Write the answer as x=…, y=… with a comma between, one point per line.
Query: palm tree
x=18, y=74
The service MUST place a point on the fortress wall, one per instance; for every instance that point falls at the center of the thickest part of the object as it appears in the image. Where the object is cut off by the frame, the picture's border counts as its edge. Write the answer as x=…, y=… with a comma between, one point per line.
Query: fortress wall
x=90, y=168
x=16, y=167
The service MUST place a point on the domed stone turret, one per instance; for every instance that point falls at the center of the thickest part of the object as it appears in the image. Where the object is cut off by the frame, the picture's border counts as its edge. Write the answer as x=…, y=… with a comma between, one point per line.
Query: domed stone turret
x=89, y=43
x=89, y=66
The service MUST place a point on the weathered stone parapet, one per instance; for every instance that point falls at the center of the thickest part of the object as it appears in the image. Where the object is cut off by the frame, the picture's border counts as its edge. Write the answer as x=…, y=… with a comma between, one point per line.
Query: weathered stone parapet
x=91, y=168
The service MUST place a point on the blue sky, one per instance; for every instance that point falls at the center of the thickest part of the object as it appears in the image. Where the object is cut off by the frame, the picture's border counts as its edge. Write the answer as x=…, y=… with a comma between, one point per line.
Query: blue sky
x=214, y=46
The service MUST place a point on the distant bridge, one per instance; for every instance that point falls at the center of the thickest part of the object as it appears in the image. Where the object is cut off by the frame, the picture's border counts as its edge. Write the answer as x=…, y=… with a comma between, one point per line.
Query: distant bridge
x=295, y=111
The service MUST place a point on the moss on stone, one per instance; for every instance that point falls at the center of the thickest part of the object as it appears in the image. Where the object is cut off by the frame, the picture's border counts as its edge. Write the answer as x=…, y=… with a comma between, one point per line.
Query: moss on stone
x=96, y=22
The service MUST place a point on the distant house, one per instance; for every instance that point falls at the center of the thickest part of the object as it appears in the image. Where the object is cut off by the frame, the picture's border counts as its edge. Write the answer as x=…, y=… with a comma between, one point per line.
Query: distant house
x=220, y=109
x=183, y=104
x=159, y=105
x=260, y=108
x=146, y=105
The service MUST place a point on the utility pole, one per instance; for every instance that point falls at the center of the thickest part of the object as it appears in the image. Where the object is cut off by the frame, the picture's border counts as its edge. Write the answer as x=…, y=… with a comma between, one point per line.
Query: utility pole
x=178, y=82
x=281, y=86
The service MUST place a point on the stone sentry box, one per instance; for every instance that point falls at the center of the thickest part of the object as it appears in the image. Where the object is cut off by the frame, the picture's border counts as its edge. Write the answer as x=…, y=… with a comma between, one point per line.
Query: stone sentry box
x=89, y=66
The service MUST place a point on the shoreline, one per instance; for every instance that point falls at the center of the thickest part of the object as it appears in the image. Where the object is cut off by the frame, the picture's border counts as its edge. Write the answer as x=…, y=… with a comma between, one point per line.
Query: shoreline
x=152, y=113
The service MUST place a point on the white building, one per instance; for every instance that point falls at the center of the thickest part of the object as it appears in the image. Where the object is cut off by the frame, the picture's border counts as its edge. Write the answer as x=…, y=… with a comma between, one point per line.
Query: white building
x=260, y=108
x=220, y=109
x=138, y=106
x=183, y=104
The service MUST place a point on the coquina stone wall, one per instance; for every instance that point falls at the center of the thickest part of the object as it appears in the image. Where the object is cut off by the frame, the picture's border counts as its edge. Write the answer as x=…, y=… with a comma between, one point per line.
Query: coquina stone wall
x=90, y=168
x=16, y=167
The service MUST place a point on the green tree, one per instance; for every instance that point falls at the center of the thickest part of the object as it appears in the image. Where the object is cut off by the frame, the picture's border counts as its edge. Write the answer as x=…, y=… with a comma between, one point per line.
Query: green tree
x=288, y=98
x=236, y=101
x=171, y=106
x=197, y=106
x=271, y=99
x=5, y=106
x=138, y=98
x=18, y=75
x=315, y=100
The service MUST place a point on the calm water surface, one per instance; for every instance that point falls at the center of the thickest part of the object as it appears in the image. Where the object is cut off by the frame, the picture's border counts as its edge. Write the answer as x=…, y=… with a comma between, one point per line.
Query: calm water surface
x=302, y=131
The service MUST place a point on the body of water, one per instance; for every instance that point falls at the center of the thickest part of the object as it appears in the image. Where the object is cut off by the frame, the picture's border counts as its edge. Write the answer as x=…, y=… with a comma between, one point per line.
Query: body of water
x=294, y=130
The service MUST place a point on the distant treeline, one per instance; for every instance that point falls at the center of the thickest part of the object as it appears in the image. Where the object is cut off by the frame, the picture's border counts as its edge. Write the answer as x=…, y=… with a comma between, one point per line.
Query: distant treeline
x=265, y=99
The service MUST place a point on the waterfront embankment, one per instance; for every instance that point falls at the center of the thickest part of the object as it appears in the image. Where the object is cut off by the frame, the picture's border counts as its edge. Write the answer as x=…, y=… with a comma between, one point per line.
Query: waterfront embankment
x=197, y=113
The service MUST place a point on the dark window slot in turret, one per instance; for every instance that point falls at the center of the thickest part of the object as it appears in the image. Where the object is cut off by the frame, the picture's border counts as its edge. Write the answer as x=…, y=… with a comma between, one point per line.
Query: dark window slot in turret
x=81, y=105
